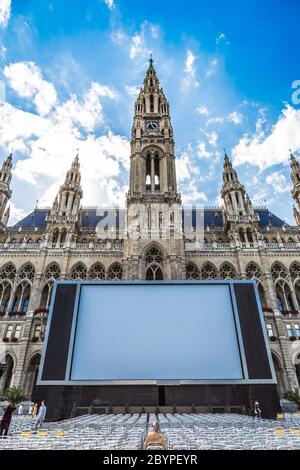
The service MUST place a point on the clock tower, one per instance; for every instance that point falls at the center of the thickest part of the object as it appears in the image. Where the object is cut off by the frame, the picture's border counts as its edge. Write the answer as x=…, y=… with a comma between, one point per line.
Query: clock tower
x=153, y=203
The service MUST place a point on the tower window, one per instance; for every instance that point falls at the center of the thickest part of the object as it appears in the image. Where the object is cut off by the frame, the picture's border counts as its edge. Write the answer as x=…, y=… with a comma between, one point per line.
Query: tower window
x=151, y=104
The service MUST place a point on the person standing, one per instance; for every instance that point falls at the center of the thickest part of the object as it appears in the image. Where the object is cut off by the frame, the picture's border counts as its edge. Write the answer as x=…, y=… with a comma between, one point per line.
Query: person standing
x=35, y=410
x=20, y=409
x=41, y=415
x=30, y=411
x=257, y=410
x=6, y=419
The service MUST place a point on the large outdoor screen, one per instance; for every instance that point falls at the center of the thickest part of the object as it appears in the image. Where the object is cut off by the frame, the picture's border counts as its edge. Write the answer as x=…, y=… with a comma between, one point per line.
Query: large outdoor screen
x=132, y=332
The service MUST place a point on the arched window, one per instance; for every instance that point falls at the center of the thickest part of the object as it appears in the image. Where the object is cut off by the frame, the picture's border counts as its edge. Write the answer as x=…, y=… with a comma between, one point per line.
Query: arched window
x=227, y=271
x=154, y=273
x=151, y=104
x=52, y=272
x=5, y=293
x=154, y=264
x=7, y=376
x=97, y=272
x=27, y=272
x=278, y=271
x=154, y=254
x=78, y=272
x=46, y=295
x=295, y=270
x=192, y=271
x=156, y=173
x=253, y=271
x=115, y=272
x=8, y=271
x=209, y=271
x=22, y=297
x=148, y=172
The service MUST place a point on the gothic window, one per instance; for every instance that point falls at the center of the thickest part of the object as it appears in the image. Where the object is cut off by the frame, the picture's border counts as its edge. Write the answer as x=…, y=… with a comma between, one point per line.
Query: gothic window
x=156, y=173
x=227, y=271
x=55, y=236
x=253, y=271
x=115, y=272
x=27, y=272
x=97, y=272
x=78, y=272
x=154, y=255
x=295, y=270
x=154, y=273
x=8, y=271
x=208, y=271
x=249, y=236
x=46, y=295
x=154, y=264
x=5, y=293
x=151, y=104
x=148, y=172
x=52, y=272
x=192, y=271
x=22, y=297
x=278, y=271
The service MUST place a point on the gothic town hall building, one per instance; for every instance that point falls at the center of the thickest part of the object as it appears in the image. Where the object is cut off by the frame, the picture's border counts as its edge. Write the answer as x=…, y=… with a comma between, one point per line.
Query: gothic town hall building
x=69, y=241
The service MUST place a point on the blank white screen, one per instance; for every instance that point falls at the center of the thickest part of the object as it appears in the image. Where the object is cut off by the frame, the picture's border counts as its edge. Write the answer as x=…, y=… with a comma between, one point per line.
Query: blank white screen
x=155, y=332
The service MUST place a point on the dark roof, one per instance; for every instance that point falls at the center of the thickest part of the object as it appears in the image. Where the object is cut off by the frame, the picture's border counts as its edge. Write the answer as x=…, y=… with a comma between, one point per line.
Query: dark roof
x=213, y=218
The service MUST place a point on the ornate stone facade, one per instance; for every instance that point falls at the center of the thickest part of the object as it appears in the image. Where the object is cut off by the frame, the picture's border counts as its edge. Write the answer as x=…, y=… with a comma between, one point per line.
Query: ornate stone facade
x=154, y=238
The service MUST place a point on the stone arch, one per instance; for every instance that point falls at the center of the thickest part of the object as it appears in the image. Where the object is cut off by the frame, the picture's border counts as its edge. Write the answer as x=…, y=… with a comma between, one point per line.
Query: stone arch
x=78, y=271
x=227, y=271
x=154, y=262
x=31, y=374
x=253, y=271
x=27, y=271
x=97, y=272
x=6, y=379
x=8, y=271
x=209, y=271
x=278, y=271
x=115, y=271
x=192, y=271
x=52, y=271
x=279, y=371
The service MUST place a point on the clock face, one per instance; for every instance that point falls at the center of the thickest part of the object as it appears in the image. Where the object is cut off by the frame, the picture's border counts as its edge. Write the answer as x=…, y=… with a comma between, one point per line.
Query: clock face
x=152, y=126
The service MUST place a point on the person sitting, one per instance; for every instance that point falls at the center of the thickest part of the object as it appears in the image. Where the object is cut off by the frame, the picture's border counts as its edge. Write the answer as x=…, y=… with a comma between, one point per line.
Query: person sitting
x=155, y=439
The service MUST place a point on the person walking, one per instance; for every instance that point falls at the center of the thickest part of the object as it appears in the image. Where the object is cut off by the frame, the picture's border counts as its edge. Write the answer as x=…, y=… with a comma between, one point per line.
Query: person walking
x=20, y=409
x=41, y=415
x=155, y=438
x=6, y=420
x=257, y=410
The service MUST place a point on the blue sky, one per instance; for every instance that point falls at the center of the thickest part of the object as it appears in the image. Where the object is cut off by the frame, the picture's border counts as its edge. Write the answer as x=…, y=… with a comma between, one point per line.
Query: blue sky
x=71, y=70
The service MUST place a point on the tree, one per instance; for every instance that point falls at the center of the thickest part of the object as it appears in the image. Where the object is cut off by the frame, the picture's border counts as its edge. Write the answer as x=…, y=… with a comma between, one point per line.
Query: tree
x=293, y=395
x=14, y=395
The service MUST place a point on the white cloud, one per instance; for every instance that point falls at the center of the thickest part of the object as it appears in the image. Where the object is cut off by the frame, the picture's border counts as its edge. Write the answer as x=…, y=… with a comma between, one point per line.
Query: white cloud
x=265, y=150
x=26, y=80
x=192, y=194
x=45, y=145
x=235, y=117
x=5, y=6
x=132, y=90
x=137, y=46
x=110, y=4
x=212, y=138
x=189, y=78
x=211, y=68
x=202, y=152
x=202, y=110
x=278, y=182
